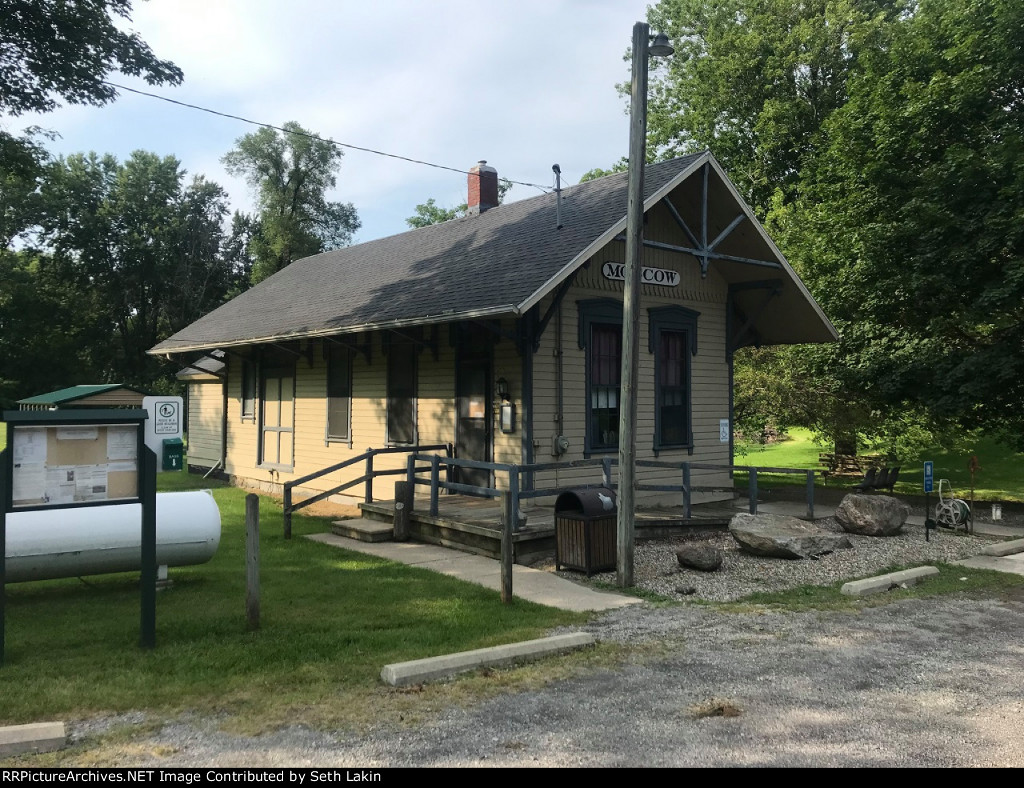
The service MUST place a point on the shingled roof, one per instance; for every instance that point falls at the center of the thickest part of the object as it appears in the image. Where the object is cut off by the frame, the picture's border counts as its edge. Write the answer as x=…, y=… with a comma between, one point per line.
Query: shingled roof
x=498, y=262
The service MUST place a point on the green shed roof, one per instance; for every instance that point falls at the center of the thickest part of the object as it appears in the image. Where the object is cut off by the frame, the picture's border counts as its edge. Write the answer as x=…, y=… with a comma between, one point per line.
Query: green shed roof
x=70, y=394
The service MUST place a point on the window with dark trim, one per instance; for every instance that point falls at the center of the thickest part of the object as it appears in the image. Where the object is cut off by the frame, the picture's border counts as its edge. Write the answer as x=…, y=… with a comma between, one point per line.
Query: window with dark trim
x=248, y=390
x=605, y=371
x=401, y=393
x=600, y=334
x=339, y=393
x=672, y=338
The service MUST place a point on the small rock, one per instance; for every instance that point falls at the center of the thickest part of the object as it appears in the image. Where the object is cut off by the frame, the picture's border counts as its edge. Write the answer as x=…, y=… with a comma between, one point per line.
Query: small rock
x=701, y=557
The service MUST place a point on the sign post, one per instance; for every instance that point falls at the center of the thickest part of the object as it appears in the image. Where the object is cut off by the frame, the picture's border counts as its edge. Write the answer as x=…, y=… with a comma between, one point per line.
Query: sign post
x=71, y=459
x=929, y=479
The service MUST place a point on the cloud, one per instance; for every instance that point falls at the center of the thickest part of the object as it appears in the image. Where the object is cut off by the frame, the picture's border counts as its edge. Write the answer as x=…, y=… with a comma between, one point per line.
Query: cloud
x=523, y=85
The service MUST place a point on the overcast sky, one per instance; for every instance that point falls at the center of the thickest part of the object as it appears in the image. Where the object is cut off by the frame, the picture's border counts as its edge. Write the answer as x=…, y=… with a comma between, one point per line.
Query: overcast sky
x=522, y=84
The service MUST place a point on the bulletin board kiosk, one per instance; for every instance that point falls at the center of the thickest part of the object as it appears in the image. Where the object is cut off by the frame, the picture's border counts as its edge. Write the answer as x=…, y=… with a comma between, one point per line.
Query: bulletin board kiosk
x=65, y=459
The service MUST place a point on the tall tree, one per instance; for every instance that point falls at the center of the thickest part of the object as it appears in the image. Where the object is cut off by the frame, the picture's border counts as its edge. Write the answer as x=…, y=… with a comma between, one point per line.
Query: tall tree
x=754, y=80
x=56, y=49
x=911, y=228
x=144, y=248
x=292, y=171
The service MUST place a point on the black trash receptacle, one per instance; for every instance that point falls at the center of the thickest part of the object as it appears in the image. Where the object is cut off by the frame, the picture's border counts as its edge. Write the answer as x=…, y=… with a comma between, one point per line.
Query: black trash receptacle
x=585, y=530
x=174, y=452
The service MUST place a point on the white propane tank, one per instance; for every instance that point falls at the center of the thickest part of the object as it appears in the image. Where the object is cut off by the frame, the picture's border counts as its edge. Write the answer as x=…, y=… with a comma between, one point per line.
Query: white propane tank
x=49, y=543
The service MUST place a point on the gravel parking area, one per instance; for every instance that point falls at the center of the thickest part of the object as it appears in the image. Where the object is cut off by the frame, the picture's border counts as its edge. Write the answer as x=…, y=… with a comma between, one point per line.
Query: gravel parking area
x=656, y=569
x=933, y=682
x=917, y=683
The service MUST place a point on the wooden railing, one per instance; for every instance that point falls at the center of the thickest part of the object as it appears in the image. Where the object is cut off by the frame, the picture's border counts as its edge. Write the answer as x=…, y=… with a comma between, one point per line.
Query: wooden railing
x=367, y=478
x=514, y=472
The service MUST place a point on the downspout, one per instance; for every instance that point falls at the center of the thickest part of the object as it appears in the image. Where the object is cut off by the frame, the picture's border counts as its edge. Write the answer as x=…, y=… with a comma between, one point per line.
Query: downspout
x=559, y=391
x=527, y=335
x=224, y=421
x=729, y=317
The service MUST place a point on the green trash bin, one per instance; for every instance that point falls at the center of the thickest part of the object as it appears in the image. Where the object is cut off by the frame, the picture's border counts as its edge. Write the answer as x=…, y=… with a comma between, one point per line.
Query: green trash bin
x=174, y=454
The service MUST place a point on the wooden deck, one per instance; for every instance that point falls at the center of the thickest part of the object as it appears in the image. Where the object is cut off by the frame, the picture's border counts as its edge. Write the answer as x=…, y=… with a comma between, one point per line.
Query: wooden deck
x=475, y=524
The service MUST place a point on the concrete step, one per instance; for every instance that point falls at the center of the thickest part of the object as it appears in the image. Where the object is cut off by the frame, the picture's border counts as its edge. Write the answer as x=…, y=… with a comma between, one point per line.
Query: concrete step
x=364, y=530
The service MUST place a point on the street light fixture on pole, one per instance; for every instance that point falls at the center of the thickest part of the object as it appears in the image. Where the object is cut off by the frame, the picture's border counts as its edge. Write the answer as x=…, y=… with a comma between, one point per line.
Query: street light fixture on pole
x=642, y=50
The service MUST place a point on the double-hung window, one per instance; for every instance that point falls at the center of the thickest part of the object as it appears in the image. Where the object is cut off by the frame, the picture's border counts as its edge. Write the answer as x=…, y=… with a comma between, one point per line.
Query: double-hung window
x=401, y=393
x=672, y=338
x=248, y=408
x=339, y=393
x=605, y=372
x=600, y=336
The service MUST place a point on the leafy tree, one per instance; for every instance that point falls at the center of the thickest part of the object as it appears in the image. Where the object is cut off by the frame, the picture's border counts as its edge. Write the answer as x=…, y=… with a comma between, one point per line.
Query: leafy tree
x=431, y=213
x=620, y=166
x=48, y=328
x=292, y=172
x=754, y=80
x=143, y=249
x=22, y=164
x=52, y=49
x=911, y=227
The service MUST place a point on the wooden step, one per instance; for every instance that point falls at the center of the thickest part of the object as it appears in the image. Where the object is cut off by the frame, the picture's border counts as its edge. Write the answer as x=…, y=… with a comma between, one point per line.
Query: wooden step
x=364, y=530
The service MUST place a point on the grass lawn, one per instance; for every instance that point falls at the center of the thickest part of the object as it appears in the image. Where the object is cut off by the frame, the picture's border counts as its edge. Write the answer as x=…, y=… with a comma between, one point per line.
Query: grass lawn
x=330, y=620
x=1001, y=477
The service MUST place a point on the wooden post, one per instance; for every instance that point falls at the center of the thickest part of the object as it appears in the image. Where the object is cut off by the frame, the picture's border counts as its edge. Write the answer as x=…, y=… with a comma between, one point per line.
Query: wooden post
x=403, y=510
x=435, y=464
x=687, y=498
x=810, y=495
x=752, y=490
x=513, y=492
x=287, y=512
x=625, y=523
x=252, y=561
x=147, y=577
x=508, y=518
x=5, y=479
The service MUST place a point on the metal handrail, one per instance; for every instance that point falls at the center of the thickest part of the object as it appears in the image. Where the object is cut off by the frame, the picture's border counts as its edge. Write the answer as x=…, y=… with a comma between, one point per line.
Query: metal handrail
x=367, y=478
x=515, y=471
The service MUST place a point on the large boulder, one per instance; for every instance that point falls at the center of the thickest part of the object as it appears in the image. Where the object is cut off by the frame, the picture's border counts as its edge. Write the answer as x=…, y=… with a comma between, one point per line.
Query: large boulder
x=779, y=536
x=872, y=515
x=704, y=558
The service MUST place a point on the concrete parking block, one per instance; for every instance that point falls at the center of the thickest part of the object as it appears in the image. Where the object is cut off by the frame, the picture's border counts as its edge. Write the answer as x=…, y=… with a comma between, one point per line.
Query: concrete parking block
x=34, y=737
x=402, y=674
x=1004, y=548
x=876, y=585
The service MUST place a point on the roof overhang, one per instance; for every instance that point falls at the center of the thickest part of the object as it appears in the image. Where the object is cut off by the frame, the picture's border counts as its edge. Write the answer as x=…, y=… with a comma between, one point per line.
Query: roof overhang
x=168, y=348
x=770, y=303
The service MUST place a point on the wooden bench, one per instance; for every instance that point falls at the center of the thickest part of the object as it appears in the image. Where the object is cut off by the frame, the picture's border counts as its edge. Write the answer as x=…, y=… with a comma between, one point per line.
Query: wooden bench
x=848, y=464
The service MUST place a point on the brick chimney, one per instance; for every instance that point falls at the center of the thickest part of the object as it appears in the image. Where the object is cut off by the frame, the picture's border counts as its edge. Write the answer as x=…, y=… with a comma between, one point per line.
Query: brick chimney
x=483, y=189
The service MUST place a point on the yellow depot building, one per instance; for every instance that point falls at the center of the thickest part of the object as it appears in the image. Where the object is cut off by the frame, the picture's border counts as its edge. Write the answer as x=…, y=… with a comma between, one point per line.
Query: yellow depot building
x=497, y=338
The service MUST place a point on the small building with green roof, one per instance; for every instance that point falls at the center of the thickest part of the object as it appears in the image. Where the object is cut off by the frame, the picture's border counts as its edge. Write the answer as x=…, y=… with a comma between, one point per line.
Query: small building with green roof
x=104, y=395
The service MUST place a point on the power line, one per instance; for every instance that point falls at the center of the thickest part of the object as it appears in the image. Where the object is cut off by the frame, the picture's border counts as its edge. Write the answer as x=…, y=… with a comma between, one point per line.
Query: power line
x=306, y=134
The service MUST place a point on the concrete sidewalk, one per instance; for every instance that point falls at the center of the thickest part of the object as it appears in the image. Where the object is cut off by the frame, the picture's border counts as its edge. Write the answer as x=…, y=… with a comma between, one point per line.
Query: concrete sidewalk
x=545, y=588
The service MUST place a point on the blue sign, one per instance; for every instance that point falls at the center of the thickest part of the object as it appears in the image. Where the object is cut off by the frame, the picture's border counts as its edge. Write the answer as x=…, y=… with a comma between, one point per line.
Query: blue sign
x=929, y=475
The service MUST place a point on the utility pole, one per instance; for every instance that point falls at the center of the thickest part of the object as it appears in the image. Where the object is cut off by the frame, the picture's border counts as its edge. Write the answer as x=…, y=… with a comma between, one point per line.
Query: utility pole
x=625, y=522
